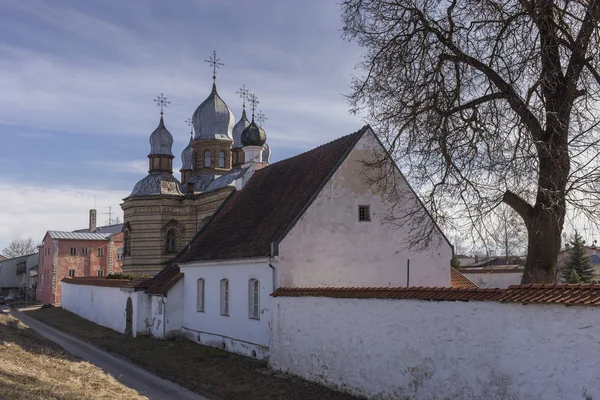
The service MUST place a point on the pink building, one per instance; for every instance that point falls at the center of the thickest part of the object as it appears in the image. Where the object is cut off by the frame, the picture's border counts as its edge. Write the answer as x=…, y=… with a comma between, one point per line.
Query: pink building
x=86, y=252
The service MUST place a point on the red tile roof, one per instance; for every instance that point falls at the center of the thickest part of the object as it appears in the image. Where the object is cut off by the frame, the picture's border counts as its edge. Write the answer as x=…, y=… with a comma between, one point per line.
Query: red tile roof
x=560, y=294
x=138, y=284
x=417, y=293
x=588, y=294
x=165, y=280
x=458, y=280
x=269, y=205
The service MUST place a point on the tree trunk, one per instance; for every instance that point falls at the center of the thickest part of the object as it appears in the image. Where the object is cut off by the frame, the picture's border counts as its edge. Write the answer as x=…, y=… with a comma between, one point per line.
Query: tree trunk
x=544, y=234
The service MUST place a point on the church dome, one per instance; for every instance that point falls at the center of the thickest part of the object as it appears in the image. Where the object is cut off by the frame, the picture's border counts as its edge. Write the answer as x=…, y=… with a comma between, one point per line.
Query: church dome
x=186, y=157
x=253, y=135
x=157, y=183
x=161, y=140
x=213, y=119
x=266, y=154
x=242, y=124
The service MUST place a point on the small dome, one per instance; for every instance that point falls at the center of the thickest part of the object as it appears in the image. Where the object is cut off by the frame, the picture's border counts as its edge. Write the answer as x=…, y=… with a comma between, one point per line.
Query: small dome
x=266, y=154
x=213, y=119
x=161, y=140
x=186, y=157
x=253, y=135
x=157, y=183
x=242, y=124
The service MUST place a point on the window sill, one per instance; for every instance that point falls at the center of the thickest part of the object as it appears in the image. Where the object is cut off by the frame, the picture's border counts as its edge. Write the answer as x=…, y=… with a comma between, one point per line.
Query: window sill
x=254, y=318
x=202, y=311
x=224, y=315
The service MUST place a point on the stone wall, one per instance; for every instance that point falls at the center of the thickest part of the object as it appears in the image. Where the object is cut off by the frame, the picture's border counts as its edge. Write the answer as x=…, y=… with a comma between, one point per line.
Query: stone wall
x=416, y=349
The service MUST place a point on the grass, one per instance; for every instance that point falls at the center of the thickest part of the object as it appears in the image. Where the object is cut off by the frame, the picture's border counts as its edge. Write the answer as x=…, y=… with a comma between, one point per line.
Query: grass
x=32, y=367
x=211, y=372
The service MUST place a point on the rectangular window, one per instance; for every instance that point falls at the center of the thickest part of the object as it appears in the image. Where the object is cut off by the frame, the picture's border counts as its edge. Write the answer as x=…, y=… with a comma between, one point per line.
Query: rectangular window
x=120, y=253
x=224, y=297
x=100, y=251
x=200, y=295
x=72, y=273
x=100, y=272
x=85, y=251
x=73, y=251
x=160, y=306
x=364, y=213
x=254, y=299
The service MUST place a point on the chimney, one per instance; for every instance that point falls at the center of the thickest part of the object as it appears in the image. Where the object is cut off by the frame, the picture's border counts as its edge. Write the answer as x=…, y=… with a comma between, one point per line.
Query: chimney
x=92, y=221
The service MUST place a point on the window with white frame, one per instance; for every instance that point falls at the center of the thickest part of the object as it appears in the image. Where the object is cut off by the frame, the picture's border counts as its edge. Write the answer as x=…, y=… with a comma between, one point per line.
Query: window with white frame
x=72, y=273
x=200, y=295
x=100, y=272
x=100, y=251
x=224, y=297
x=254, y=299
x=160, y=306
x=84, y=251
x=73, y=251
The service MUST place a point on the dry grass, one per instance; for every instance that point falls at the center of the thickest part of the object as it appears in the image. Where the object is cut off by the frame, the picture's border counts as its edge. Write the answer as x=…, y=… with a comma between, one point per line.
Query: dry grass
x=32, y=367
x=211, y=372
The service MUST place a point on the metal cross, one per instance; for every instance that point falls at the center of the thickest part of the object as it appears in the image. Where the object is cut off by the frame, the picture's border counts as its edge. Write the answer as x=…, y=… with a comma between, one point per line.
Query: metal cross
x=215, y=62
x=243, y=92
x=162, y=102
x=253, y=100
x=261, y=118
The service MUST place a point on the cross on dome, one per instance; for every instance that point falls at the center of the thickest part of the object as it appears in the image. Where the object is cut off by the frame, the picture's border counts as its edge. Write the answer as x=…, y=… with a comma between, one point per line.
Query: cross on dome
x=261, y=118
x=253, y=100
x=215, y=63
x=243, y=92
x=162, y=102
x=191, y=125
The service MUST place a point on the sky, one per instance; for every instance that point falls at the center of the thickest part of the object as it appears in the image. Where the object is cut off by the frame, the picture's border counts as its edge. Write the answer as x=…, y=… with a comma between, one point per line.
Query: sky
x=78, y=79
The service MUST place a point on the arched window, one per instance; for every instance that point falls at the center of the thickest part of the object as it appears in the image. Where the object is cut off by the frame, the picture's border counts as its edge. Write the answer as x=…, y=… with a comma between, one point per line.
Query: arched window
x=207, y=159
x=254, y=299
x=221, y=159
x=170, y=241
x=225, y=297
x=126, y=243
x=200, y=295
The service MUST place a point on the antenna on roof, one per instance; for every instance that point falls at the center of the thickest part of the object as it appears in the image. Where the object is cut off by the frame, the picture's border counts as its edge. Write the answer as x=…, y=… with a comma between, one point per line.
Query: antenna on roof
x=109, y=213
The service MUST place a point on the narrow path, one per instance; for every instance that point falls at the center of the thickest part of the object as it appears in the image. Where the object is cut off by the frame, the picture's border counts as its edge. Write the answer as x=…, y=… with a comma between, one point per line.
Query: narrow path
x=124, y=371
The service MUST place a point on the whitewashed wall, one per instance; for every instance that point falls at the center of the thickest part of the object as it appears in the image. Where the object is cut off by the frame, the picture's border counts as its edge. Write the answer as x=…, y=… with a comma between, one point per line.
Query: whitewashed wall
x=495, y=280
x=329, y=246
x=237, y=332
x=413, y=349
x=104, y=305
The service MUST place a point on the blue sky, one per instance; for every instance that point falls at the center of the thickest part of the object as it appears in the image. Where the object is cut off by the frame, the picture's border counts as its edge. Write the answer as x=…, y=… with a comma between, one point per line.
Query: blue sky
x=77, y=81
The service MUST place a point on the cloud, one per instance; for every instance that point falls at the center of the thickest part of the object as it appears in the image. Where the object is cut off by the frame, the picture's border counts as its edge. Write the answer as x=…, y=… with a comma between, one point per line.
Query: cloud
x=31, y=210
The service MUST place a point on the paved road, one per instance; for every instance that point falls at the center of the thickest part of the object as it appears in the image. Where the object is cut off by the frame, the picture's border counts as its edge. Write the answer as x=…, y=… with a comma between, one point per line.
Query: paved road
x=124, y=371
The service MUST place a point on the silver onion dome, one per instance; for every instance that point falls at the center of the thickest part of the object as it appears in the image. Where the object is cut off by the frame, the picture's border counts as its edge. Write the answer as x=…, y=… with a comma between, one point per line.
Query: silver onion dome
x=253, y=135
x=242, y=124
x=213, y=119
x=266, y=154
x=186, y=157
x=161, y=140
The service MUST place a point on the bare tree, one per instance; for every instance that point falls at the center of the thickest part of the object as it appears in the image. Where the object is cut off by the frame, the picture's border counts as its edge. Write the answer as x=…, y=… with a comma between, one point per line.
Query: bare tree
x=484, y=102
x=509, y=236
x=18, y=248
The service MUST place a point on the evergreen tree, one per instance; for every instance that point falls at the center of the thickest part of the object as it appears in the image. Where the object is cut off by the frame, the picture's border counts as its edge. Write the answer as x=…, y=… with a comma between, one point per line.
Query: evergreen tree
x=455, y=262
x=573, y=278
x=578, y=262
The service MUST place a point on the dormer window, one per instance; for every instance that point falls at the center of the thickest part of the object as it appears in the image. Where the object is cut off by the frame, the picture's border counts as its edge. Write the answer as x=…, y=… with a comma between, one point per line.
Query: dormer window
x=207, y=159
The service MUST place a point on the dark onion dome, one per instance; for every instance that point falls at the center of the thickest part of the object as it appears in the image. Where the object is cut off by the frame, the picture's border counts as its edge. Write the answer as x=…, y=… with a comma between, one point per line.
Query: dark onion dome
x=186, y=157
x=161, y=140
x=253, y=135
x=213, y=119
x=242, y=124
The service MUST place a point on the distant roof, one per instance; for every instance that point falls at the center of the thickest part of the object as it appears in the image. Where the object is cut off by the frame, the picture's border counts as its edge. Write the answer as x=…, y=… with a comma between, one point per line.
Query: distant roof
x=458, y=280
x=78, y=235
x=2, y=258
x=267, y=207
x=17, y=258
x=112, y=229
x=139, y=284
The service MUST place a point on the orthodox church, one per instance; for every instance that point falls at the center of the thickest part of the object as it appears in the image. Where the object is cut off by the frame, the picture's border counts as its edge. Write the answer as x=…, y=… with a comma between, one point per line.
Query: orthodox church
x=162, y=214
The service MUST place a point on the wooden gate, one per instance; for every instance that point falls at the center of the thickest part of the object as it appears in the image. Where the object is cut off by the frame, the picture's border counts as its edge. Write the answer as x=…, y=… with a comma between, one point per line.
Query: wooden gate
x=129, y=318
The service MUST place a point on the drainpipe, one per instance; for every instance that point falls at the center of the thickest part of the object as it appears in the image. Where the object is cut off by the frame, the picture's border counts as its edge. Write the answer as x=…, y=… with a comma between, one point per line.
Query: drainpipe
x=408, y=273
x=271, y=265
x=164, y=307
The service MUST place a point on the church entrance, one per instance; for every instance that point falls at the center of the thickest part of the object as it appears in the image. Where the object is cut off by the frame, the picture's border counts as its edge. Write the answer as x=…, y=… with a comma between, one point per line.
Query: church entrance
x=129, y=318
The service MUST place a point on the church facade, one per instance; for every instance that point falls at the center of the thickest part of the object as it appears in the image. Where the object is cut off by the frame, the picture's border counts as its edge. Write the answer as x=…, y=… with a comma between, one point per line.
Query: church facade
x=162, y=214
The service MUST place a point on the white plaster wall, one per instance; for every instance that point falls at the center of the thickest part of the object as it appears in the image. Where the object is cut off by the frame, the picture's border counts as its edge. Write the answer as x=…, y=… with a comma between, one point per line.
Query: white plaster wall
x=413, y=349
x=330, y=247
x=156, y=319
x=495, y=280
x=236, y=332
x=174, y=309
x=103, y=305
